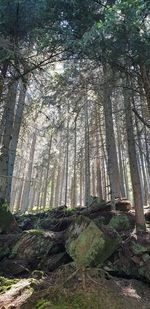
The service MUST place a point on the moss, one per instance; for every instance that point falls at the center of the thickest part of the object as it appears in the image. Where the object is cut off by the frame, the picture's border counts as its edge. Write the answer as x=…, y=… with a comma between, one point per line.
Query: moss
x=33, y=247
x=43, y=304
x=139, y=249
x=81, y=299
x=5, y=284
x=92, y=247
x=6, y=218
x=38, y=274
x=120, y=223
x=36, y=232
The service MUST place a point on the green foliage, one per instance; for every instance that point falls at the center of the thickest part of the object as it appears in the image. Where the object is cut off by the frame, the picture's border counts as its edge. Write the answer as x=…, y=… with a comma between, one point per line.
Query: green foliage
x=122, y=33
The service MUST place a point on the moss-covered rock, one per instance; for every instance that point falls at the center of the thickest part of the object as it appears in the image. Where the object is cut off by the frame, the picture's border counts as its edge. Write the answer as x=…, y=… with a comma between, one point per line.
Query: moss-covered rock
x=38, y=249
x=139, y=248
x=7, y=221
x=96, y=201
x=132, y=259
x=88, y=245
x=7, y=241
x=122, y=222
x=33, y=247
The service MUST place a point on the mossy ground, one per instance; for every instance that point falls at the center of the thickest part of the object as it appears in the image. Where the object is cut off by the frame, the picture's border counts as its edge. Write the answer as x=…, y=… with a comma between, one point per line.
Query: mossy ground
x=69, y=288
x=67, y=291
x=80, y=299
x=6, y=284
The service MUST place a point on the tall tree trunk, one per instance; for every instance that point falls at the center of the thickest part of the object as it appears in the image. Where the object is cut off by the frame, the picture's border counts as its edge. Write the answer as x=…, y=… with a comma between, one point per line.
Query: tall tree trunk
x=52, y=187
x=62, y=182
x=15, y=136
x=104, y=159
x=26, y=193
x=67, y=160
x=146, y=84
x=2, y=82
x=7, y=135
x=74, y=191
x=81, y=178
x=87, y=154
x=47, y=173
x=135, y=178
x=98, y=166
x=113, y=169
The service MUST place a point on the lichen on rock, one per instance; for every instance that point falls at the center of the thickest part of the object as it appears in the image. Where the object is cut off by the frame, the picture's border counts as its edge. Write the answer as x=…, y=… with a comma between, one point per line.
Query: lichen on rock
x=88, y=245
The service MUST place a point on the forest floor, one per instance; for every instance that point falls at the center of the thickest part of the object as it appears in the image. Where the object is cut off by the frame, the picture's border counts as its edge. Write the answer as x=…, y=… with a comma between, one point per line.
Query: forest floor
x=39, y=270
x=70, y=289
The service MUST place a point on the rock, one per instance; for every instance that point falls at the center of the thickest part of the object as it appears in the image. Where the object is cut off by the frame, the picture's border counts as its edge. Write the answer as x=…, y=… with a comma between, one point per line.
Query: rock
x=27, y=221
x=7, y=241
x=18, y=294
x=56, y=260
x=96, y=201
x=15, y=267
x=122, y=222
x=88, y=245
x=147, y=215
x=47, y=223
x=27, y=224
x=132, y=259
x=8, y=223
x=37, y=274
x=123, y=205
x=35, y=246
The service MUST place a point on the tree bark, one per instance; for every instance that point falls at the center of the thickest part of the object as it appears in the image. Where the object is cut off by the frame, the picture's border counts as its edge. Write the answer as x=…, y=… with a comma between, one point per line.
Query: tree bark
x=135, y=178
x=15, y=136
x=7, y=135
x=87, y=155
x=113, y=169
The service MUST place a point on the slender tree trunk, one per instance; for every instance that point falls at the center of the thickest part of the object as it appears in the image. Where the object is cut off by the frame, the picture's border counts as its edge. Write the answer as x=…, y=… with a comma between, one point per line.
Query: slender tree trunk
x=74, y=193
x=98, y=166
x=47, y=173
x=2, y=83
x=40, y=177
x=67, y=160
x=87, y=155
x=62, y=182
x=26, y=193
x=120, y=160
x=15, y=136
x=113, y=169
x=81, y=178
x=104, y=161
x=135, y=178
x=52, y=187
